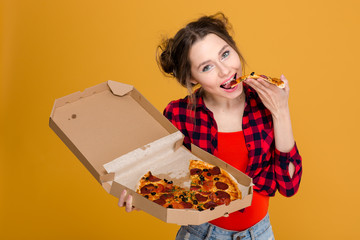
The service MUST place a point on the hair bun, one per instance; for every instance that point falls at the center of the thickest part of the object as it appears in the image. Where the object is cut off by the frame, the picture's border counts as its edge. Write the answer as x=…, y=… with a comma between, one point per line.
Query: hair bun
x=165, y=59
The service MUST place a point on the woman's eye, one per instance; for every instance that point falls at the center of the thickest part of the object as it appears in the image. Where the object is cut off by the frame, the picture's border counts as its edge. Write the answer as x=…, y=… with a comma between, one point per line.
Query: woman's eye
x=225, y=54
x=206, y=68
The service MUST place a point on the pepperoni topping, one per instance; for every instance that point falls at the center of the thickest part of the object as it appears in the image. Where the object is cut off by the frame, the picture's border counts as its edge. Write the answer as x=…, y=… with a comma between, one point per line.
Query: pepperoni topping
x=200, y=197
x=210, y=205
x=160, y=201
x=222, y=194
x=147, y=189
x=195, y=188
x=220, y=201
x=221, y=185
x=215, y=171
x=195, y=171
x=160, y=188
x=223, y=200
x=177, y=205
x=208, y=185
x=168, y=187
x=208, y=176
x=167, y=196
x=153, y=178
x=186, y=204
x=213, y=197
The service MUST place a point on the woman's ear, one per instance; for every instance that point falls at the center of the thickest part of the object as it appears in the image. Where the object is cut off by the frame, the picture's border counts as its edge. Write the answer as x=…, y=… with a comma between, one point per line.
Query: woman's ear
x=194, y=82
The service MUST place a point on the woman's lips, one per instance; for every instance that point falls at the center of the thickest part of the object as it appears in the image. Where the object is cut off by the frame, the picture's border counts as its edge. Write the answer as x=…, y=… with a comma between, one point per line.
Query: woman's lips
x=229, y=83
x=231, y=89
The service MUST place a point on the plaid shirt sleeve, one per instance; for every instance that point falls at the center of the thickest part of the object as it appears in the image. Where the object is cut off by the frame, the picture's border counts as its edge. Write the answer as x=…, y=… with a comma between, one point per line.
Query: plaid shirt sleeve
x=286, y=185
x=267, y=166
x=176, y=112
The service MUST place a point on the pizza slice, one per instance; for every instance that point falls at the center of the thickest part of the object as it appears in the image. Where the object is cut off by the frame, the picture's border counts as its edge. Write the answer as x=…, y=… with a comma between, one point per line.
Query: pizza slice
x=213, y=185
x=276, y=81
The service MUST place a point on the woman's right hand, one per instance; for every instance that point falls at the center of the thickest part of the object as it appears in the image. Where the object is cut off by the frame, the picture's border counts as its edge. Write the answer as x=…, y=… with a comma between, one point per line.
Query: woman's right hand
x=126, y=201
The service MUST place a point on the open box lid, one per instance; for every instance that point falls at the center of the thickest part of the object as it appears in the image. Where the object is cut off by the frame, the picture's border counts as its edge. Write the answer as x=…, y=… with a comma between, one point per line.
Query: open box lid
x=106, y=121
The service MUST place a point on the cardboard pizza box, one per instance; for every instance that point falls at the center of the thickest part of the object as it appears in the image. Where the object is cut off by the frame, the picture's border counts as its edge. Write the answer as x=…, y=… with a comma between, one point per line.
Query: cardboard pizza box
x=119, y=136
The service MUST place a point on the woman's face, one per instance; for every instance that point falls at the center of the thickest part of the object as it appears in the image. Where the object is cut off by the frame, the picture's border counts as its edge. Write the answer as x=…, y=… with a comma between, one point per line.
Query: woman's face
x=213, y=63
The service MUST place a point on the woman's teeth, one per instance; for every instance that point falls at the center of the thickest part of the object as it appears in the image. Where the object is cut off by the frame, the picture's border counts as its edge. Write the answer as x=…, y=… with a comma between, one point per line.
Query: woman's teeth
x=228, y=85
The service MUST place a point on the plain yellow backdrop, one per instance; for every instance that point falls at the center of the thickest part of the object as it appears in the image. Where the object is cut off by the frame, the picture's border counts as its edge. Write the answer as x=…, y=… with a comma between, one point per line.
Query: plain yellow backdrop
x=51, y=48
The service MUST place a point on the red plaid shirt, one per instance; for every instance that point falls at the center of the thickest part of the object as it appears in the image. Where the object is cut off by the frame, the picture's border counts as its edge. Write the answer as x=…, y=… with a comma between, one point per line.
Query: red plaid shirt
x=267, y=166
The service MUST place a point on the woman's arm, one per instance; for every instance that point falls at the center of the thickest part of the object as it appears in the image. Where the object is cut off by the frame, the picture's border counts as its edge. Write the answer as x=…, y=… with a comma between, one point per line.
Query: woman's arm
x=284, y=139
x=276, y=101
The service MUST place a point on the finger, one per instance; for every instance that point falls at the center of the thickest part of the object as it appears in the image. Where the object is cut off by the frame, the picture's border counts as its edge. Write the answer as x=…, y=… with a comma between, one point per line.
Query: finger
x=258, y=86
x=264, y=93
x=258, y=82
x=129, y=206
x=283, y=78
x=122, y=198
x=270, y=88
x=265, y=84
x=251, y=82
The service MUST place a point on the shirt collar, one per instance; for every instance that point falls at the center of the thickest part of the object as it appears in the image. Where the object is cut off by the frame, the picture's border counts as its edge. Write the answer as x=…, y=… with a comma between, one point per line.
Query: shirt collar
x=199, y=100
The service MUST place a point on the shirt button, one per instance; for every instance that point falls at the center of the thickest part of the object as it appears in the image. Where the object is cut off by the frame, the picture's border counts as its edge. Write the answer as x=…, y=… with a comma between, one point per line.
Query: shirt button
x=248, y=145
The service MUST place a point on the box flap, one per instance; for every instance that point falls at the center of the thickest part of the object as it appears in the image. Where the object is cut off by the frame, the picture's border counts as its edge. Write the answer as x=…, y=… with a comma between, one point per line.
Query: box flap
x=105, y=122
x=119, y=89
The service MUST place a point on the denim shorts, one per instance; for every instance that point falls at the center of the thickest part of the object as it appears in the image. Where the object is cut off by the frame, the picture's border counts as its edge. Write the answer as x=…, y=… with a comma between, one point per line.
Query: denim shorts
x=260, y=231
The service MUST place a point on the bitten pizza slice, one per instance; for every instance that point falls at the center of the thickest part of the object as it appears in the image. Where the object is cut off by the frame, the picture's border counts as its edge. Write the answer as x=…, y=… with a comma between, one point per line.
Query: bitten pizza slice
x=276, y=81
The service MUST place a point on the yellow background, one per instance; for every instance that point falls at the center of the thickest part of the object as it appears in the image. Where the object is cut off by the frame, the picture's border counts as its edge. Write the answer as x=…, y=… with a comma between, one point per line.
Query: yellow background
x=51, y=48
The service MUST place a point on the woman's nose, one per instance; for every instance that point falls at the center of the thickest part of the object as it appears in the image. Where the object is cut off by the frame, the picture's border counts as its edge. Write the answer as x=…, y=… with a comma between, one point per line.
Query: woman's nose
x=223, y=69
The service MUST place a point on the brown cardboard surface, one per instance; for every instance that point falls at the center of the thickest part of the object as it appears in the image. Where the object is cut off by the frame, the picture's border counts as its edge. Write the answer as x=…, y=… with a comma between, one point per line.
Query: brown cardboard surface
x=119, y=136
x=98, y=125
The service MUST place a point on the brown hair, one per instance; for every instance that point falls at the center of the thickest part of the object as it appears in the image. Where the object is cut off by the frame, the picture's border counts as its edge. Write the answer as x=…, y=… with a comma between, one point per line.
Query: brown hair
x=173, y=58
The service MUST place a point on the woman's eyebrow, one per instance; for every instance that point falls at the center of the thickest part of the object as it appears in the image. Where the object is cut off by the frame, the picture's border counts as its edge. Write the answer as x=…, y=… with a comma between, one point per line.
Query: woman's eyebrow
x=221, y=50
x=207, y=61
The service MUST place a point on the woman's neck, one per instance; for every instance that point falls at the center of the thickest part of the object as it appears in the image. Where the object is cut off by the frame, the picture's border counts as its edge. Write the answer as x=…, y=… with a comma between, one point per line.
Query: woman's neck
x=223, y=104
x=227, y=113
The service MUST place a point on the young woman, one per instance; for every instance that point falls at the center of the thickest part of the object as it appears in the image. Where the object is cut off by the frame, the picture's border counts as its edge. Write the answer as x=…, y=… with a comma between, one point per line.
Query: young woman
x=247, y=126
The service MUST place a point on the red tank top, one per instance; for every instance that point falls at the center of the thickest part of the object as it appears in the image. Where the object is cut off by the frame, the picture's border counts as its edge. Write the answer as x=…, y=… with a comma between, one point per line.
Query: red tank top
x=232, y=149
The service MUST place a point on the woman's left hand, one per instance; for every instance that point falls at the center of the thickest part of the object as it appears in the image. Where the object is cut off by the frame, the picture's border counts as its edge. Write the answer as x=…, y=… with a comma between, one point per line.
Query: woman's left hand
x=274, y=98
